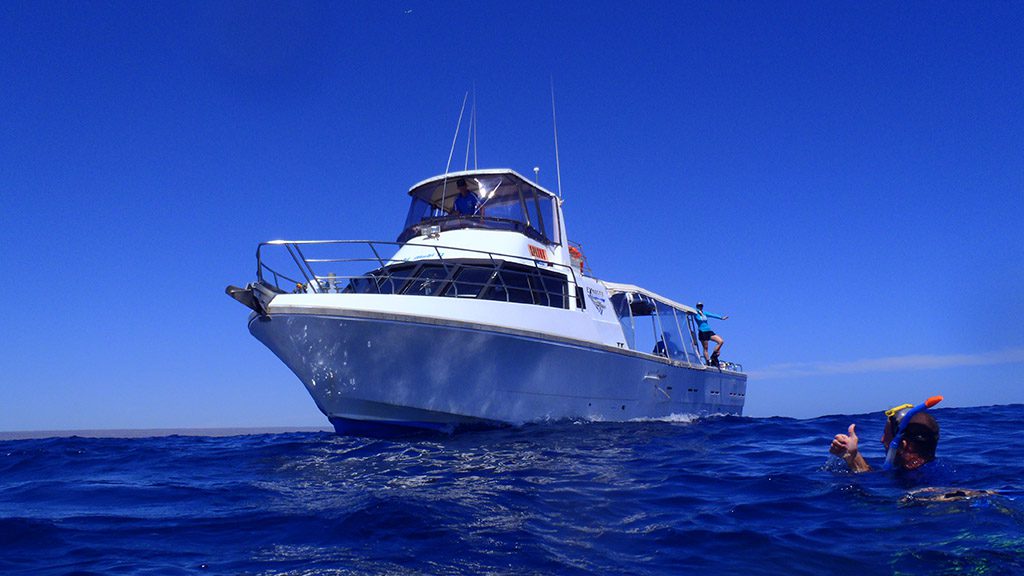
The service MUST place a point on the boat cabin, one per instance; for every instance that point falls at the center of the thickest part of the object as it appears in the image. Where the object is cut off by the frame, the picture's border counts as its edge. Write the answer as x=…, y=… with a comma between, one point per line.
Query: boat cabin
x=654, y=324
x=487, y=199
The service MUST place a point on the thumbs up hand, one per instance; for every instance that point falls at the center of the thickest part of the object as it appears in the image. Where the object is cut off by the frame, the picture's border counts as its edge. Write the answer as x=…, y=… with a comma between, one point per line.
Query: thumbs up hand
x=845, y=445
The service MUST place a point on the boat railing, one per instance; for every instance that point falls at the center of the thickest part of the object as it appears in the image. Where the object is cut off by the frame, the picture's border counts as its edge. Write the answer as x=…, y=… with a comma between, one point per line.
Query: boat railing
x=346, y=266
x=579, y=259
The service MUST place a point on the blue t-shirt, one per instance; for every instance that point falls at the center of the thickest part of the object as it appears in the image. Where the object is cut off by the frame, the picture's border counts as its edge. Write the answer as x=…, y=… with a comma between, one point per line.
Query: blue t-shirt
x=702, y=321
x=466, y=205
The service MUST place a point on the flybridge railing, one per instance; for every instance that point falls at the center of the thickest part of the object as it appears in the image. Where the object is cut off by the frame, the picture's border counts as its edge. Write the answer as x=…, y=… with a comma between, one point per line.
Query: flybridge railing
x=369, y=266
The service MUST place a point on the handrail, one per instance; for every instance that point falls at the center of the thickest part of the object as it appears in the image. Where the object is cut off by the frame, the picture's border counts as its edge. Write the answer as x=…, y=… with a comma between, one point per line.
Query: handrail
x=384, y=277
x=296, y=259
x=276, y=276
x=383, y=274
x=373, y=243
x=308, y=267
x=585, y=268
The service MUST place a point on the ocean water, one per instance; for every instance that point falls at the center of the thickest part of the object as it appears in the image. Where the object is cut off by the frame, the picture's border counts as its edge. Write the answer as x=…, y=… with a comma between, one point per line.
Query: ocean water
x=720, y=495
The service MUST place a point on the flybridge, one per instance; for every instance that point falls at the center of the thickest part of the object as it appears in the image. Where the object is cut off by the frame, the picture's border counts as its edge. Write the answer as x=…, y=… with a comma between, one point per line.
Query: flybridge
x=492, y=199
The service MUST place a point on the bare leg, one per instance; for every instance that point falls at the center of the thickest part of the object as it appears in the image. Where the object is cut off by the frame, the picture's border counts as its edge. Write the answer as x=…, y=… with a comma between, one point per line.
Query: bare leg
x=718, y=340
x=705, y=344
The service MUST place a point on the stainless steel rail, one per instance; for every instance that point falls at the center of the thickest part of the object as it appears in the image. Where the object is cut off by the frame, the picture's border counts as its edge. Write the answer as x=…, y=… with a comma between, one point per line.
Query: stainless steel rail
x=319, y=280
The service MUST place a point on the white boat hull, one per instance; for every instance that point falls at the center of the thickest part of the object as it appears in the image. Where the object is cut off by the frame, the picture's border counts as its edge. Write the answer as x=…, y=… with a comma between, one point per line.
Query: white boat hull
x=369, y=372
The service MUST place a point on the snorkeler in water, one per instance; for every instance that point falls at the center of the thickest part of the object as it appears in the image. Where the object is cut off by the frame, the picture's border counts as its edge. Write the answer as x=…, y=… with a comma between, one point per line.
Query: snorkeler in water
x=945, y=495
x=910, y=438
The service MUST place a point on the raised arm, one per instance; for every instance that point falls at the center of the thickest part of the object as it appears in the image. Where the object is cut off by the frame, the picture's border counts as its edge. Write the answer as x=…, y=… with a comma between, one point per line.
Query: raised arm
x=710, y=315
x=846, y=446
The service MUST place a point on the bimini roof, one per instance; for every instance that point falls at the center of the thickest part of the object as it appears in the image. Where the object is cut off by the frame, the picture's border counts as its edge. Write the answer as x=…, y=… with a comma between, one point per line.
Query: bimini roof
x=615, y=287
x=506, y=172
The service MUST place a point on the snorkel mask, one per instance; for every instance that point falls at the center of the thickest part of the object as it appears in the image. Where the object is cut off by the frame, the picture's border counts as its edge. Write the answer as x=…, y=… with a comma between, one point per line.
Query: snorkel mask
x=899, y=417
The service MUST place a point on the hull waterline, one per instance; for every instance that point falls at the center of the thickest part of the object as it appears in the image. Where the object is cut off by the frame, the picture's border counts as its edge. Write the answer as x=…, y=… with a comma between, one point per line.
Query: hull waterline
x=372, y=376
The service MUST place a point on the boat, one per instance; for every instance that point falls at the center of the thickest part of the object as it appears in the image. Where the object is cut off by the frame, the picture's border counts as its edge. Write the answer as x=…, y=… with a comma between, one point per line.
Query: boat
x=481, y=313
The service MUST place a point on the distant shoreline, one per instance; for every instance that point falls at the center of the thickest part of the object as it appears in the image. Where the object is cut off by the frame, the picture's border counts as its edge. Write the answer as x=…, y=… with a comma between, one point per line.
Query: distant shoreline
x=154, y=432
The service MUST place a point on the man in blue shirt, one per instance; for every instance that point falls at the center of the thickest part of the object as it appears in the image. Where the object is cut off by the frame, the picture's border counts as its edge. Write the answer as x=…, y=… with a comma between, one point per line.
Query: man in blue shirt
x=466, y=202
x=706, y=334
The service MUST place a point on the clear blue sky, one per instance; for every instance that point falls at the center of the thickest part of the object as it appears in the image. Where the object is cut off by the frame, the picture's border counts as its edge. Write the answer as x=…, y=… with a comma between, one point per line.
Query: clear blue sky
x=845, y=180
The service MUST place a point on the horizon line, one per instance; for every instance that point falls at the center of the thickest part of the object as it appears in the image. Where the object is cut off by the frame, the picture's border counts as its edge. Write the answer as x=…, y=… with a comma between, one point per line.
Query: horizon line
x=214, y=431
x=908, y=362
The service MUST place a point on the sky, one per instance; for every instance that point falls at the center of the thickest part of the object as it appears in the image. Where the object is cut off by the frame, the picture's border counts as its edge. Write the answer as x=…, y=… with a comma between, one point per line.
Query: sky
x=844, y=180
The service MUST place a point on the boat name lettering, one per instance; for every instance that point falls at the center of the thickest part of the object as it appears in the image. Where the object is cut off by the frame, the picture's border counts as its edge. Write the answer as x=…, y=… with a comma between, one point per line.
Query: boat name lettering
x=597, y=297
x=538, y=252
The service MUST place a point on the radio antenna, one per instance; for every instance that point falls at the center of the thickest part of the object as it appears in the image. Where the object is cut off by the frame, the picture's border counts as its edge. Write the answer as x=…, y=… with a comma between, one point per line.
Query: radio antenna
x=469, y=140
x=458, y=126
x=554, y=122
x=475, y=167
x=471, y=132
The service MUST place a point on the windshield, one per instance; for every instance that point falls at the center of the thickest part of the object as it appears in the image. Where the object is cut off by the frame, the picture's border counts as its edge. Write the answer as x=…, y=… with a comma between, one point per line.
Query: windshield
x=500, y=202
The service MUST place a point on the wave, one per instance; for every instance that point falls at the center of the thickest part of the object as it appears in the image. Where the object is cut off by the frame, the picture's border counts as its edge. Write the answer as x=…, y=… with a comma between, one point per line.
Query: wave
x=675, y=418
x=722, y=493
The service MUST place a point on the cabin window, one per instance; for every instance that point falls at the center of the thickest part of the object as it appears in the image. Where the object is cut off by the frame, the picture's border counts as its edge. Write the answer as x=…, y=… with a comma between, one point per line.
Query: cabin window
x=502, y=202
x=533, y=211
x=517, y=284
x=496, y=291
x=393, y=281
x=689, y=328
x=673, y=343
x=647, y=334
x=528, y=285
x=360, y=286
x=500, y=281
x=549, y=218
x=419, y=211
x=469, y=281
x=654, y=327
x=376, y=282
x=640, y=322
x=428, y=280
x=621, y=305
x=555, y=288
x=540, y=292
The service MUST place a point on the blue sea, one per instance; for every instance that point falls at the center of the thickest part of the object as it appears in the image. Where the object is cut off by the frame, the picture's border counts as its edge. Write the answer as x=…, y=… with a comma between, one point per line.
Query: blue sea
x=718, y=495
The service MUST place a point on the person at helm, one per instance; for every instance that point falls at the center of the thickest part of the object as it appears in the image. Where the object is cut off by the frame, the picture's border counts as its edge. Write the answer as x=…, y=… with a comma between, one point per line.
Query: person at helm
x=910, y=438
x=667, y=347
x=466, y=203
